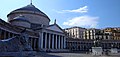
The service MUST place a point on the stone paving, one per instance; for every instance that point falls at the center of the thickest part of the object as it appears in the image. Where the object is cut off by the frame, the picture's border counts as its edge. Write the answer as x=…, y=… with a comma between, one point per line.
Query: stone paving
x=43, y=54
x=57, y=54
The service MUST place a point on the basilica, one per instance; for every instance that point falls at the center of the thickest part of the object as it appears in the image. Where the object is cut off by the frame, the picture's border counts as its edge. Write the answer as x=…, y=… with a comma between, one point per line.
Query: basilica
x=35, y=24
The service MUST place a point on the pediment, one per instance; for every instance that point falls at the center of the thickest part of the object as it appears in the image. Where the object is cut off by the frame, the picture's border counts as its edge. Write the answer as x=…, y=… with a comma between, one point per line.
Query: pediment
x=55, y=27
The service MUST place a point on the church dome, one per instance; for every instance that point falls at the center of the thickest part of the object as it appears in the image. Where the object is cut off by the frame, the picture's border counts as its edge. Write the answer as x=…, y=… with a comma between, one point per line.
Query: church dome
x=33, y=15
x=20, y=18
x=29, y=7
x=20, y=21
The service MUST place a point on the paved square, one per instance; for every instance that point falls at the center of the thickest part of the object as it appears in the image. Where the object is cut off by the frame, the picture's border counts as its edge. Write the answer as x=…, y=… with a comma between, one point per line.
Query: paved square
x=43, y=54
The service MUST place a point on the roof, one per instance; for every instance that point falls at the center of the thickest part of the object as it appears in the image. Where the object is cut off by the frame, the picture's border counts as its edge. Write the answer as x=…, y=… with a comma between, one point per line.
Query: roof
x=7, y=27
x=74, y=27
x=30, y=7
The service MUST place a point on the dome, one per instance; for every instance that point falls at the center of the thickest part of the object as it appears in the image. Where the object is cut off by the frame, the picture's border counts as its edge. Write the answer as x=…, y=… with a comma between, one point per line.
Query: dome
x=29, y=7
x=20, y=18
x=20, y=21
x=32, y=14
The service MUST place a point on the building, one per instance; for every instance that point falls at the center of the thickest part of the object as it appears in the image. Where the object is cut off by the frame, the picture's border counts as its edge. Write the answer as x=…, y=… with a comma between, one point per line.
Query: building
x=90, y=33
x=35, y=24
x=90, y=36
x=115, y=32
x=96, y=33
x=85, y=45
x=75, y=32
x=79, y=44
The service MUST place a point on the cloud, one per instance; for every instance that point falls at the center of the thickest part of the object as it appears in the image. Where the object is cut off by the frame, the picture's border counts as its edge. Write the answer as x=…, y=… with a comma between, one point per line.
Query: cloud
x=80, y=10
x=83, y=21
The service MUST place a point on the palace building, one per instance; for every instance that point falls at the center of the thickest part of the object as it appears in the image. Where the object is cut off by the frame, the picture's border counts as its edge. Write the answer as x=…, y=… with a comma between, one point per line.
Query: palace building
x=107, y=39
x=35, y=24
x=75, y=32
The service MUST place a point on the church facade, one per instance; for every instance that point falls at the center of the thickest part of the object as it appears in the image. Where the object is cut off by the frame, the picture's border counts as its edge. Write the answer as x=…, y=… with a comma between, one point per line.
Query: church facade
x=35, y=24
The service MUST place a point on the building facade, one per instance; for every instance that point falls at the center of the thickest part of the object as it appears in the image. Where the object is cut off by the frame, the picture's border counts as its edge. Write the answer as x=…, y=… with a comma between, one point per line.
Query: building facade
x=96, y=33
x=90, y=33
x=35, y=24
x=75, y=32
x=86, y=45
x=115, y=32
x=90, y=36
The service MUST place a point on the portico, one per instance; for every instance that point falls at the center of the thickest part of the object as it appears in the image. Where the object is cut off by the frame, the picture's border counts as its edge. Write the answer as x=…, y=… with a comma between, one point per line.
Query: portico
x=52, y=39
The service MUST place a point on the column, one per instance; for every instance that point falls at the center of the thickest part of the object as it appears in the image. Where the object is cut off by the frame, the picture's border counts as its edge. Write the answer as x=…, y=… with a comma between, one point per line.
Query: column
x=34, y=43
x=31, y=42
x=4, y=34
x=53, y=41
x=9, y=35
x=0, y=34
x=45, y=40
x=56, y=41
x=41, y=39
x=12, y=35
x=59, y=42
x=49, y=40
x=64, y=40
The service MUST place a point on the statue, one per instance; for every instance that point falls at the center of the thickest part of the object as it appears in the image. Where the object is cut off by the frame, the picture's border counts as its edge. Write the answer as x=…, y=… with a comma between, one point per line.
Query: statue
x=97, y=42
x=15, y=44
x=24, y=40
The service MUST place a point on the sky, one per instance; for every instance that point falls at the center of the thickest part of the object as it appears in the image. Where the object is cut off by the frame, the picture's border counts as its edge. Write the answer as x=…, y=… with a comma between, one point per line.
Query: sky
x=69, y=13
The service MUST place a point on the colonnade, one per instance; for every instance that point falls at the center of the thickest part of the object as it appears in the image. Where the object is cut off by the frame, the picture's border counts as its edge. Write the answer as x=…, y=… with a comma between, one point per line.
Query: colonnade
x=5, y=34
x=34, y=43
x=52, y=41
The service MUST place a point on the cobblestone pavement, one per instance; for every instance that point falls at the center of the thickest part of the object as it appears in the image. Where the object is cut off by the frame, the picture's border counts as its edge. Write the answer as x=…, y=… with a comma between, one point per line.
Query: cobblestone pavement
x=43, y=54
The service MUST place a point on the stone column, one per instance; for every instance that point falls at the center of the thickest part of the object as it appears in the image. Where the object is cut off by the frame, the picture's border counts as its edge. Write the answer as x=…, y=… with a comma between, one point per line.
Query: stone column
x=4, y=34
x=64, y=42
x=59, y=42
x=9, y=35
x=35, y=44
x=45, y=40
x=0, y=34
x=53, y=41
x=56, y=41
x=49, y=40
x=12, y=35
x=31, y=42
x=41, y=36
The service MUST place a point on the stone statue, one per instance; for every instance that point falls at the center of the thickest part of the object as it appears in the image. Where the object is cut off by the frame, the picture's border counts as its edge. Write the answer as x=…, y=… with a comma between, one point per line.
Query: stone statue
x=24, y=41
x=97, y=42
x=15, y=44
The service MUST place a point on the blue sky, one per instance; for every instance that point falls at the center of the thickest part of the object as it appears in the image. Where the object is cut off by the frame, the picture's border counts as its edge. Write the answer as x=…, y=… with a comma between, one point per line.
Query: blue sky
x=68, y=13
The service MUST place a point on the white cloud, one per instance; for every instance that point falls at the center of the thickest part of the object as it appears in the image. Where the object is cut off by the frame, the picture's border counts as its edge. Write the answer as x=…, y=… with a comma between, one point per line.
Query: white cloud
x=83, y=21
x=80, y=10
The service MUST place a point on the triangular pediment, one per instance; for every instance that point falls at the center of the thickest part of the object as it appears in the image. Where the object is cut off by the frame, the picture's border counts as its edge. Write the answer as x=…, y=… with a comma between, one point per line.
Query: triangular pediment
x=55, y=27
